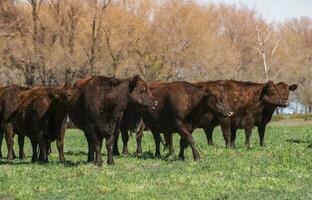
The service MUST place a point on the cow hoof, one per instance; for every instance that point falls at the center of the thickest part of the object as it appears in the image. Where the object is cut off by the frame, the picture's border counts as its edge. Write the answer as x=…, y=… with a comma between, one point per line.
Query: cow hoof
x=158, y=156
x=116, y=154
x=22, y=156
x=10, y=157
x=181, y=158
x=197, y=159
x=43, y=161
x=110, y=162
x=210, y=144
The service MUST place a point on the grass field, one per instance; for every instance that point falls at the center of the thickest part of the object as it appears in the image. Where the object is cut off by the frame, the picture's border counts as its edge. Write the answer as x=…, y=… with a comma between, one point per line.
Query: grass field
x=282, y=170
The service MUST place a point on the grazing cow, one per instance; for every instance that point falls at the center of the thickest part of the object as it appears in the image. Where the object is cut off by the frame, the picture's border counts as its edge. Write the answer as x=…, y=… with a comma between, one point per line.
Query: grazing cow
x=253, y=105
x=9, y=97
x=181, y=105
x=40, y=115
x=98, y=106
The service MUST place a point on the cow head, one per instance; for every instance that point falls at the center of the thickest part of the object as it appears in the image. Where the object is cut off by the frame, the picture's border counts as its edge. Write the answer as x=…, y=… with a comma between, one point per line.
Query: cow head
x=277, y=94
x=217, y=101
x=68, y=93
x=140, y=94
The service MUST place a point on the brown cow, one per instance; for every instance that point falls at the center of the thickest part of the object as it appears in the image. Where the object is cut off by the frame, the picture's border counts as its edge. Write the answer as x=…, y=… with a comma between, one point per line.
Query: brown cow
x=40, y=115
x=253, y=105
x=8, y=103
x=181, y=105
x=98, y=107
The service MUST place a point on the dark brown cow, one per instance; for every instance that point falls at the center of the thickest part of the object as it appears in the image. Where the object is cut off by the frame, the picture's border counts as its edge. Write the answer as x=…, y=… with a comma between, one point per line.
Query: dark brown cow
x=40, y=115
x=9, y=97
x=181, y=105
x=98, y=107
x=253, y=105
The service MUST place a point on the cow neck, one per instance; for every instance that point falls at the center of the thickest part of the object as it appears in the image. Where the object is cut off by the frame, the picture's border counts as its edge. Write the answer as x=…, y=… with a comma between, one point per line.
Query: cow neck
x=198, y=111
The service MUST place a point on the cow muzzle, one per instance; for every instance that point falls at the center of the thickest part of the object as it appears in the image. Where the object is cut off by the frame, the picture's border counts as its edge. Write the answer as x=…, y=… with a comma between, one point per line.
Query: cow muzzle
x=230, y=113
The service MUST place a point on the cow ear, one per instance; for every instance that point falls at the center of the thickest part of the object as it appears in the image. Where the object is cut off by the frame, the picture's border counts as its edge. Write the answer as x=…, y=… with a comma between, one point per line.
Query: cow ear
x=133, y=82
x=292, y=87
x=270, y=83
x=265, y=88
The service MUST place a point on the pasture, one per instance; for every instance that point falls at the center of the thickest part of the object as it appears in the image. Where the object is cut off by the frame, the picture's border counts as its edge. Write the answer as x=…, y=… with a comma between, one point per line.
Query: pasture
x=282, y=170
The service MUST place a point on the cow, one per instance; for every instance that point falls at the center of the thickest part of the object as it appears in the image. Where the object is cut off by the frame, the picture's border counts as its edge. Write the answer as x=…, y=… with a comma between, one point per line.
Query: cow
x=98, y=107
x=180, y=106
x=40, y=115
x=9, y=97
x=253, y=105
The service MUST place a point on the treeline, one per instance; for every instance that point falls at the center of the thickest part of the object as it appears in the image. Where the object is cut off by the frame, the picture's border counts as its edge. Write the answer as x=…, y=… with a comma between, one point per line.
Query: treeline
x=47, y=42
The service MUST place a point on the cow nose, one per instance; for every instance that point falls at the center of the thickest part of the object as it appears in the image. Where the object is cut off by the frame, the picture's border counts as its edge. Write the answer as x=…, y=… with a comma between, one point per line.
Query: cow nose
x=230, y=113
x=156, y=103
x=287, y=103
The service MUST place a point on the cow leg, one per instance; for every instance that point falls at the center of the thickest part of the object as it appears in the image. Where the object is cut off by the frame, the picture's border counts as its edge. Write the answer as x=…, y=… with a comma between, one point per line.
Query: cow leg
x=233, y=136
x=156, y=136
x=21, y=141
x=208, y=132
x=44, y=148
x=248, y=132
x=125, y=139
x=60, y=142
x=138, y=137
x=183, y=145
x=187, y=137
x=1, y=140
x=60, y=148
x=97, y=146
x=109, y=148
x=9, y=136
x=169, y=142
x=34, y=145
x=49, y=148
x=115, y=148
x=90, y=147
x=226, y=131
x=261, y=131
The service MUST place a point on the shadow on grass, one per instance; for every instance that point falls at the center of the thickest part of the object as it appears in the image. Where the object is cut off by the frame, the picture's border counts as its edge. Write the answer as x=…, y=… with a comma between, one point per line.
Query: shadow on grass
x=66, y=163
x=298, y=141
x=14, y=162
x=150, y=156
x=75, y=153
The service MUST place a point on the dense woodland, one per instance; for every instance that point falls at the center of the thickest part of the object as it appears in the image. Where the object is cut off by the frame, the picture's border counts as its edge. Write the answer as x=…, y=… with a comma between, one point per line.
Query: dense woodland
x=49, y=42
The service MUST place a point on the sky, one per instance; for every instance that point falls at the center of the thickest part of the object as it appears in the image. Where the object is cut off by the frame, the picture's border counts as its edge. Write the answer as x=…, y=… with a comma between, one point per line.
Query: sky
x=273, y=10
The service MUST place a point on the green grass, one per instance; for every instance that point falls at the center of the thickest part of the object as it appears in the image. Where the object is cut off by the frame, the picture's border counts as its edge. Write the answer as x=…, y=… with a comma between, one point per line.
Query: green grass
x=281, y=117
x=282, y=170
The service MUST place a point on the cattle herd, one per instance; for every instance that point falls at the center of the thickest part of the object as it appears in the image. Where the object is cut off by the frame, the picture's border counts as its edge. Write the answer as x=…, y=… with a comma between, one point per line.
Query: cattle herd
x=104, y=106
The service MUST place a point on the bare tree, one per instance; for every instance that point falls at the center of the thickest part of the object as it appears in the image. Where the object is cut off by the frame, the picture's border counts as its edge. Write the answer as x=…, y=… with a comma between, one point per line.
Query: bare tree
x=264, y=50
